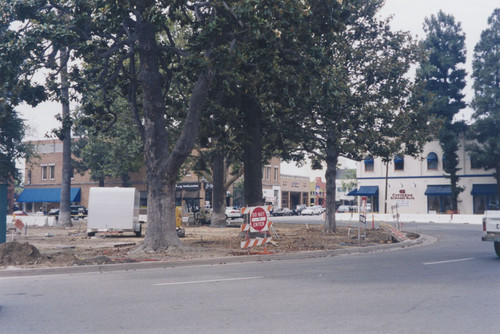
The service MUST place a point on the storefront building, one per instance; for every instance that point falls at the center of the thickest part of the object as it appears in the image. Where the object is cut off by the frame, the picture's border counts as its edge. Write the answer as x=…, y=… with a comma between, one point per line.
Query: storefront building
x=317, y=192
x=418, y=185
x=294, y=190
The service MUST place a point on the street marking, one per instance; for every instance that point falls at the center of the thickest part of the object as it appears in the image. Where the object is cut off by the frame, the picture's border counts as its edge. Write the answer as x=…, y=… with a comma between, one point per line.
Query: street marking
x=210, y=281
x=449, y=261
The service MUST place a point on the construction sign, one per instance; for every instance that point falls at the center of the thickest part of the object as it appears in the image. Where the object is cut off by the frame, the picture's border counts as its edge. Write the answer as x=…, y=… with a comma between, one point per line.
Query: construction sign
x=258, y=223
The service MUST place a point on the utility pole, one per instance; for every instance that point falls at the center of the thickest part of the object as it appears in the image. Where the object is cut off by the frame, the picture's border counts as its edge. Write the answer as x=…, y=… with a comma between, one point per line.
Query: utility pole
x=3, y=213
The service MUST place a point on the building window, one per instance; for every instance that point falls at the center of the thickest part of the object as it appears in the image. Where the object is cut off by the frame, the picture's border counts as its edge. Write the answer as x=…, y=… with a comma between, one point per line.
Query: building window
x=275, y=173
x=432, y=161
x=399, y=162
x=369, y=165
x=268, y=173
x=439, y=204
x=48, y=172
x=28, y=177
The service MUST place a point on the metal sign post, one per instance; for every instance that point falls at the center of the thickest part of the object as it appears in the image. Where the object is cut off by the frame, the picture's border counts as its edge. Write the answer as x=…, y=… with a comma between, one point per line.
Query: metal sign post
x=362, y=218
x=3, y=213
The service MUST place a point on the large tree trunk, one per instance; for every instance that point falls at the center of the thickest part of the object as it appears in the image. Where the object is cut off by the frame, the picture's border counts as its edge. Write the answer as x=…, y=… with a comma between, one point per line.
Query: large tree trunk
x=252, y=152
x=331, y=177
x=162, y=166
x=65, y=203
x=449, y=144
x=218, y=218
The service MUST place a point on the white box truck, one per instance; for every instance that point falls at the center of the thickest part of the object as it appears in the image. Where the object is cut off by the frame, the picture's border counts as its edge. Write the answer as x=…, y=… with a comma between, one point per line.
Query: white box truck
x=113, y=210
x=491, y=229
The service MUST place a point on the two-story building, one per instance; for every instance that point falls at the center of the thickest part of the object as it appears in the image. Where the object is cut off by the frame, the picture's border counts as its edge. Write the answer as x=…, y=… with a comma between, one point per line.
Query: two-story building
x=317, y=192
x=43, y=176
x=294, y=190
x=419, y=185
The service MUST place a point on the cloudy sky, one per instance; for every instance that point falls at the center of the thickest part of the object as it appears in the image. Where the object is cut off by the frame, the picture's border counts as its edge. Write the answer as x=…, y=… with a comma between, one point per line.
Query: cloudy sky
x=408, y=15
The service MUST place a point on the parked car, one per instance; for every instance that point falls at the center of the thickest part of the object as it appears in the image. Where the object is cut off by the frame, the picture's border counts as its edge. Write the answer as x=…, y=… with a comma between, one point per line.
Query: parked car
x=343, y=208
x=320, y=209
x=312, y=210
x=76, y=211
x=282, y=212
x=233, y=213
x=298, y=209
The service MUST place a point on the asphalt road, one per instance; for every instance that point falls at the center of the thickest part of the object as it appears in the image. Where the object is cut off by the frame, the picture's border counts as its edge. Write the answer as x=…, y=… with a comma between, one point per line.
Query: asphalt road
x=450, y=286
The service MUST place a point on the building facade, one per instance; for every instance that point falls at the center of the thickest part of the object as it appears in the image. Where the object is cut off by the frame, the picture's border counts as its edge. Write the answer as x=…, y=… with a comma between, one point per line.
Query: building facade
x=43, y=177
x=43, y=184
x=419, y=185
x=271, y=186
x=317, y=192
x=295, y=190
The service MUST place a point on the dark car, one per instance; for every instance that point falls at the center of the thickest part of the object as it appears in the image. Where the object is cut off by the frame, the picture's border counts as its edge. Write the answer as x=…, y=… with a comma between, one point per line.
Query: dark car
x=298, y=209
x=76, y=211
x=282, y=212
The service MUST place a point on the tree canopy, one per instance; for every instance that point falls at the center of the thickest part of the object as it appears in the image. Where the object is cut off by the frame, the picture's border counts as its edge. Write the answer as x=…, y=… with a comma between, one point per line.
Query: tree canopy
x=443, y=75
x=485, y=131
x=251, y=78
x=360, y=98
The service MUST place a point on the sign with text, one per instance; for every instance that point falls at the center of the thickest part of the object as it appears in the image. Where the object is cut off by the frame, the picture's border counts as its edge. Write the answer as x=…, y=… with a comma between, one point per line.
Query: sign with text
x=258, y=218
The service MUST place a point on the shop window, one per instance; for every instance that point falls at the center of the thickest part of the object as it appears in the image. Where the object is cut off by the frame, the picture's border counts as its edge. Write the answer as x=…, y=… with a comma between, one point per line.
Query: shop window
x=485, y=202
x=439, y=203
x=399, y=162
x=369, y=164
x=432, y=161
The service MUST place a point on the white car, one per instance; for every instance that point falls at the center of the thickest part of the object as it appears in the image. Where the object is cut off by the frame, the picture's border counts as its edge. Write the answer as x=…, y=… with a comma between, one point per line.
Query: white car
x=233, y=213
x=312, y=210
x=320, y=209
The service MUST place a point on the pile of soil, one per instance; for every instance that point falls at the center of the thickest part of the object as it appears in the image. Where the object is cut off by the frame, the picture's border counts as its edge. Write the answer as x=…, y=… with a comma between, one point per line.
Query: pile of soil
x=56, y=246
x=16, y=253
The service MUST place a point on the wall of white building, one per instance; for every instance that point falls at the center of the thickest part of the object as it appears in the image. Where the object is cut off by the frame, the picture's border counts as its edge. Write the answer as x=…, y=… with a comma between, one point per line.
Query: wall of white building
x=407, y=188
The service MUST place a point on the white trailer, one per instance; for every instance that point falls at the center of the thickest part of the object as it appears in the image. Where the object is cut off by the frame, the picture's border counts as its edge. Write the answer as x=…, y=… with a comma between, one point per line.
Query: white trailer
x=491, y=229
x=113, y=210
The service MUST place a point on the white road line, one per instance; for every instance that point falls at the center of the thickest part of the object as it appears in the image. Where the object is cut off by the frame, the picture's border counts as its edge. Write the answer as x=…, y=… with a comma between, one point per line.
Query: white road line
x=210, y=281
x=449, y=261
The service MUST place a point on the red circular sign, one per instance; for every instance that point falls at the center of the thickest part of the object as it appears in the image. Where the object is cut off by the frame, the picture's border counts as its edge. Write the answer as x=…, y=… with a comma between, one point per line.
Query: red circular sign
x=258, y=219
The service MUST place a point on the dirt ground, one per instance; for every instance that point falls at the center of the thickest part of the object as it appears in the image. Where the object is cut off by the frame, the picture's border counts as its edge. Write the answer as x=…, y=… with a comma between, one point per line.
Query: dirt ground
x=57, y=247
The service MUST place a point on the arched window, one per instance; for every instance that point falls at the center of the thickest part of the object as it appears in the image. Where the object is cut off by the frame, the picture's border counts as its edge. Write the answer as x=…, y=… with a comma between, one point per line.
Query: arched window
x=432, y=161
x=399, y=162
x=369, y=164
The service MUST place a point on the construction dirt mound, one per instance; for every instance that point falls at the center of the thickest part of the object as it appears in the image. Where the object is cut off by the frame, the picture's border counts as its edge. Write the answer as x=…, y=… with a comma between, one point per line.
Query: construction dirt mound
x=16, y=253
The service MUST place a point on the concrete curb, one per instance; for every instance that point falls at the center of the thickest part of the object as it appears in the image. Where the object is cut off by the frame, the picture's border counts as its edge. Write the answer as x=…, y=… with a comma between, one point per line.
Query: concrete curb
x=211, y=261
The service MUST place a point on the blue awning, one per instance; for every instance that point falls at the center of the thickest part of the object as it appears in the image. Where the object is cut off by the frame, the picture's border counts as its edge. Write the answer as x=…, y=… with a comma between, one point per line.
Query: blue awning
x=441, y=190
x=484, y=189
x=353, y=192
x=367, y=191
x=47, y=195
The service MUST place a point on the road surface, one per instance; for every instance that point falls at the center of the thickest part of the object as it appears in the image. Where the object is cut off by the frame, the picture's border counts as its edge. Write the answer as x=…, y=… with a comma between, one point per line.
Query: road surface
x=450, y=286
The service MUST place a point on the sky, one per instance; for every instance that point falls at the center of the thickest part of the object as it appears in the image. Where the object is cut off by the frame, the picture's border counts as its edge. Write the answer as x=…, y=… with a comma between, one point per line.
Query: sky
x=408, y=15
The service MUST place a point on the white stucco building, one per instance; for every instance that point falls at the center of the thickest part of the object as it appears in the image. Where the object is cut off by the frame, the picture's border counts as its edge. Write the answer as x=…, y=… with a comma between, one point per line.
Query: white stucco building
x=418, y=185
